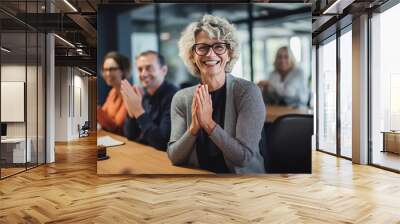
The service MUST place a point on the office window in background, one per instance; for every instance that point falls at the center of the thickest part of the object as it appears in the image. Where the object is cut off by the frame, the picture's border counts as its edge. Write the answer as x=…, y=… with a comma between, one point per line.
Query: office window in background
x=327, y=96
x=170, y=32
x=242, y=66
x=346, y=93
x=385, y=89
x=135, y=27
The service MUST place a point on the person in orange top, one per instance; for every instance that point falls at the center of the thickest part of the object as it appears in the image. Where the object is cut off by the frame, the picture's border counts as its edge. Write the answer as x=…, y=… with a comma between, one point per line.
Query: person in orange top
x=111, y=115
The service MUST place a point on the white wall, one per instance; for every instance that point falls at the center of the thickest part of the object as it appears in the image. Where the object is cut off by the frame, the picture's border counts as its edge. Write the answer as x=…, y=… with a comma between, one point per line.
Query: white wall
x=12, y=73
x=61, y=104
x=33, y=126
x=71, y=94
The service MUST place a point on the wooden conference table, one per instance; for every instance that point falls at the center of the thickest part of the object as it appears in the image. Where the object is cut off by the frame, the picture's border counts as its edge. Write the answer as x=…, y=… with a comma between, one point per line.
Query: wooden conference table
x=136, y=158
x=273, y=112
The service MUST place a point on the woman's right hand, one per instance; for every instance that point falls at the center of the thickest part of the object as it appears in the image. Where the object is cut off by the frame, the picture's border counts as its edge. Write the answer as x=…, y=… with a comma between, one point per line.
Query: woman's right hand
x=194, y=126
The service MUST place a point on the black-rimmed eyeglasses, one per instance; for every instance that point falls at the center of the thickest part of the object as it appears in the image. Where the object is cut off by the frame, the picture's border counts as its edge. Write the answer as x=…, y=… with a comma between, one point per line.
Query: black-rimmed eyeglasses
x=111, y=69
x=203, y=49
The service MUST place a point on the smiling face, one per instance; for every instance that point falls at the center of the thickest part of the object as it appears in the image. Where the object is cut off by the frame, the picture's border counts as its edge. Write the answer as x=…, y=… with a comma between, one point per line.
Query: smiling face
x=283, y=63
x=151, y=73
x=112, y=73
x=210, y=64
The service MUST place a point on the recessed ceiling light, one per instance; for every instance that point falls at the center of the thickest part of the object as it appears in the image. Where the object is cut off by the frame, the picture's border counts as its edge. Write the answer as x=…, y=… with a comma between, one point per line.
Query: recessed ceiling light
x=5, y=50
x=337, y=7
x=64, y=40
x=70, y=5
x=84, y=71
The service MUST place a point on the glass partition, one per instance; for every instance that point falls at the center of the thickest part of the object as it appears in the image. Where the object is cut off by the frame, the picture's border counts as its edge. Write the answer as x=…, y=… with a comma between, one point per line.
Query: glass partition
x=15, y=151
x=41, y=96
x=22, y=88
x=31, y=98
x=327, y=97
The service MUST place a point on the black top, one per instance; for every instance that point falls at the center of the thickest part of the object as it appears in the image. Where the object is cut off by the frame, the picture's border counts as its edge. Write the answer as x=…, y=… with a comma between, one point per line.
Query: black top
x=209, y=155
x=154, y=126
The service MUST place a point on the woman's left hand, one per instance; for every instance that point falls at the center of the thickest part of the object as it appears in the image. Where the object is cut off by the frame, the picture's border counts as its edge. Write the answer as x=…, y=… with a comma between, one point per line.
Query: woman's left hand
x=204, y=109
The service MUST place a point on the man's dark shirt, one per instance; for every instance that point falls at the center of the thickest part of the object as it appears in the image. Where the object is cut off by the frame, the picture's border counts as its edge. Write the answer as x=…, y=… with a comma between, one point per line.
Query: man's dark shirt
x=153, y=127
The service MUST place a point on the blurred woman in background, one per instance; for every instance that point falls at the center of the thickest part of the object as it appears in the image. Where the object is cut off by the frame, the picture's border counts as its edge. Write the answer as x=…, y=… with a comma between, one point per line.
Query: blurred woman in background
x=286, y=84
x=111, y=115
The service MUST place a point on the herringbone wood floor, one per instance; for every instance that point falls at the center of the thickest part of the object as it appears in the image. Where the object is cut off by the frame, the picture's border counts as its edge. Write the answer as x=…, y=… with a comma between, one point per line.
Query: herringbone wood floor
x=70, y=191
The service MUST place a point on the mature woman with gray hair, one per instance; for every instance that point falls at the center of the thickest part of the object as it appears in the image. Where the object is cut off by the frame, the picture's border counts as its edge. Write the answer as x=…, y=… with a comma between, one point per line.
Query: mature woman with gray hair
x=286, y=84
x=216, y=125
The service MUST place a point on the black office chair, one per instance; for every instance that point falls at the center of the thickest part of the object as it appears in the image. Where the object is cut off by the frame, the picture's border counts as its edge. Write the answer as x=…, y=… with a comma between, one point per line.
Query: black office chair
x=84, y=130
x=86, y=126
x=288, y=144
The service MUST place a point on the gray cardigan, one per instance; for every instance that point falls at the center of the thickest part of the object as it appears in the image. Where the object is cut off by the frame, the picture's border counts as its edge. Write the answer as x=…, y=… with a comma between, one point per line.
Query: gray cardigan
x=238, y=141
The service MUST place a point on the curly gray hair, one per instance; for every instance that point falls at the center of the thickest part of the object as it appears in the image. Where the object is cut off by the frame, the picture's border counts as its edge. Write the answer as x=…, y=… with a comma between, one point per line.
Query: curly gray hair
x=215, y=27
